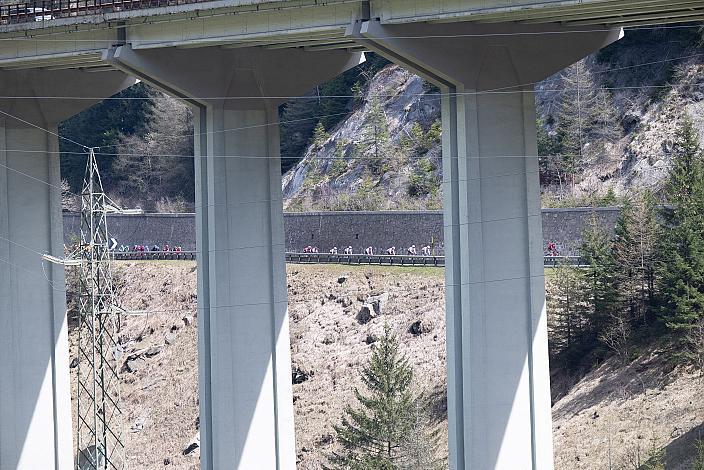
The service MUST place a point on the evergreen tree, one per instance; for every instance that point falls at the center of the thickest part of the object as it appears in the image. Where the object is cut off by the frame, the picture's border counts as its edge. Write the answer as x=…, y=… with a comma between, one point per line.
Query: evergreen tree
x=102, y=125
x=320, y=135
x=328, y=104
x=548, y=151
x=597, y=253
x=681, y=273
x=634, y=253
x=375, y=136
x=339, y=164
x=376, y=436
x=566, y=313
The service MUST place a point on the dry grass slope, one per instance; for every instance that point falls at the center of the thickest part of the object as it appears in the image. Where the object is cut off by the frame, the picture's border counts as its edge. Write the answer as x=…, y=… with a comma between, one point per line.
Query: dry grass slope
x=610, y=415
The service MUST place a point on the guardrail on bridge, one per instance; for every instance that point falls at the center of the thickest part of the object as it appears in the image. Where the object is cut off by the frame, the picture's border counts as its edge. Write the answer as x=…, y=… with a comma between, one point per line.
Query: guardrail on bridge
x=48, y=10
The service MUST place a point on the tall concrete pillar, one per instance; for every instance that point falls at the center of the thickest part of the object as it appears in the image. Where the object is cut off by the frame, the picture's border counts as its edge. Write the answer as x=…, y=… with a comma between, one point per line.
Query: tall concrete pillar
x=35, y=394
x=498, y=374
x=244, y=365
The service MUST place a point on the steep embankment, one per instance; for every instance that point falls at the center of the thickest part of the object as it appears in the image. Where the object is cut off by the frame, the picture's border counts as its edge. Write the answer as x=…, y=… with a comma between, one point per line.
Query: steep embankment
x=618, y=415
x=612, y=414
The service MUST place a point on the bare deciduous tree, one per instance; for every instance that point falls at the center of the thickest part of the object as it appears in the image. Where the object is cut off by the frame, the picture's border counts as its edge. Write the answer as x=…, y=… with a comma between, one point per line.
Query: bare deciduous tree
x=157, y=167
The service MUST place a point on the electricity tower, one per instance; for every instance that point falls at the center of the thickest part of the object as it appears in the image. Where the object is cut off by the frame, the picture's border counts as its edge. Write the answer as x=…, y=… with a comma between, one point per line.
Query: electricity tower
x=99, y=427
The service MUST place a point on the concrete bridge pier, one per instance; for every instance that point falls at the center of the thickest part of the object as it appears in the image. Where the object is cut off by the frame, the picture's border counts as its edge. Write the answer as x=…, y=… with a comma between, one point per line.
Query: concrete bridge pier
x=35, y=395
x=245, y=367
x=498, y=374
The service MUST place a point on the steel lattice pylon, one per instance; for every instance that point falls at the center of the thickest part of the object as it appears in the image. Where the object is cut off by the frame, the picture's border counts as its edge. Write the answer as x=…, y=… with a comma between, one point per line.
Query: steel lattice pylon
x=99, y=430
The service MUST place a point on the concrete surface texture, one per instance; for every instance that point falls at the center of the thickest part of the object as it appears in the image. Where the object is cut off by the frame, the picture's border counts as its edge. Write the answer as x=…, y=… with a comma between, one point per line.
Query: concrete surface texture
x=244, y=365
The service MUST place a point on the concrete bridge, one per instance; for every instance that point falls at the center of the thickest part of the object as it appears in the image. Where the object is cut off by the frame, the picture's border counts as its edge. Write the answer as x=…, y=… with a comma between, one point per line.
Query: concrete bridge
x=234, y=62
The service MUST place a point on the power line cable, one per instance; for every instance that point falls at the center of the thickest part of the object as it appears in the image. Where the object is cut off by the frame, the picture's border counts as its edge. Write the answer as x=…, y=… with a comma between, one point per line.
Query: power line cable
x=42, y=128
x=436, y=96
x=421, y=96
x=509, y=89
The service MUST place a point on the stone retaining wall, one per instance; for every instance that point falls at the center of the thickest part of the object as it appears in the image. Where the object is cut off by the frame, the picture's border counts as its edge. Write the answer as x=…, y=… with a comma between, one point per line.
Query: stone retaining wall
x=327, y=229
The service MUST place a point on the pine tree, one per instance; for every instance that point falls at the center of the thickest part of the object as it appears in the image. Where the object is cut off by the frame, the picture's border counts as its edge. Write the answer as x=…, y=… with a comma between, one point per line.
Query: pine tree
x=635, y=244
x=376, y=435
x=375, y=136
x=597, y=253
x=103, y=125
x=566, y=313
x=320, y=135
x=549, y=150
x=681, y=273
x=646, y=230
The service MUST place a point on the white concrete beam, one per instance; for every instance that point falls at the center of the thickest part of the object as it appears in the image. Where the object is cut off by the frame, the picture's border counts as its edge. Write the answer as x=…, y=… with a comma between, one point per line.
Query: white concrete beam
x=498, y=374
x=35, y=410
x=405, y=11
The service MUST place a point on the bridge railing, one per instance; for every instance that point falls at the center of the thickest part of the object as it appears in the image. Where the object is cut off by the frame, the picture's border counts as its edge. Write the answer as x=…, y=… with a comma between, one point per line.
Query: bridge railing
x=47, y=10
x=388, y=260
x=154, y=255
x=555, y=261
x=329, y=258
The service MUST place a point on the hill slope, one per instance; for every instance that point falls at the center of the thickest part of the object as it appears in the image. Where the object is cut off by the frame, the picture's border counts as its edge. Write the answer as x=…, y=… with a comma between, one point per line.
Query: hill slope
x=612, y=414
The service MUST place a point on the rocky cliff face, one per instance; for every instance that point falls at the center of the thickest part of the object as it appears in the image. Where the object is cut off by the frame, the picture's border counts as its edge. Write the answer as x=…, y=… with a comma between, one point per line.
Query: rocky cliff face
x=632, y=96
x=361, y=164
x=647, y=147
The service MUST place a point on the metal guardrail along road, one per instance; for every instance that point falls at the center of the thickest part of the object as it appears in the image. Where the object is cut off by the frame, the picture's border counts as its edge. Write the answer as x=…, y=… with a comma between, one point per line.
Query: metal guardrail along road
x=154, y=255
x=384, y=260
x=47, y=10
x=328, y=258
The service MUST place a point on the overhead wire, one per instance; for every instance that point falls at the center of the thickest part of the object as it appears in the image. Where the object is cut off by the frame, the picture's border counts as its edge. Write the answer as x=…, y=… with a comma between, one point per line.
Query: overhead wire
x=318, y=97
x=437, y=96
x=268, y=156
x=311, y=118
x=432, y=96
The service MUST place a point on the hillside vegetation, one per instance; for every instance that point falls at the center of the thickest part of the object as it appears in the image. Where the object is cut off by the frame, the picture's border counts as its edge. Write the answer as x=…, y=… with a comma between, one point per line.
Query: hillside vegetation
x=625, y=330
